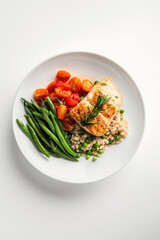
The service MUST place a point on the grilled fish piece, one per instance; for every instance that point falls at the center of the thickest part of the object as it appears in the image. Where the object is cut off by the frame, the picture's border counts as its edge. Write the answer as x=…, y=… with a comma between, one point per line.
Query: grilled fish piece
x=103, y=88
x=101, y=125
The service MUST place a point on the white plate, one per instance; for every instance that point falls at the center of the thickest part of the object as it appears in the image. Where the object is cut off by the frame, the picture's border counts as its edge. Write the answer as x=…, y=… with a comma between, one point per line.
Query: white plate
x=93, y=67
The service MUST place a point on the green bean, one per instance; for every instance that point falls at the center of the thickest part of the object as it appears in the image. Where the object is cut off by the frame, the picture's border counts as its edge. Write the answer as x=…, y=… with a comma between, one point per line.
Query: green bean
x=51, y=106
x=45, y=110
x=27, y=132
x=30, y=114
x=32, y=111
x=48, y=132
x=54, y=112
x=24, y=129
x=46, y=118
x=27, y=110
x=28, y=103
x=43, y=105
x=37, y=142
x=39, y=115
x=63, y=132
x=36, y=105
x=61, y=154
x=66, y=137
x=37, y=130
x=60, y=127
x=59, y=101
x=53, y=154
x=41, y=119
x=62, y=139
x=54, y=149
x=50, y=150
x=51, y=116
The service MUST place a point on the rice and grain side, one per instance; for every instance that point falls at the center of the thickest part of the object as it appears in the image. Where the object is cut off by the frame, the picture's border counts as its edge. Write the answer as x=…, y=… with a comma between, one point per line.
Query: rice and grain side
x=117, y=131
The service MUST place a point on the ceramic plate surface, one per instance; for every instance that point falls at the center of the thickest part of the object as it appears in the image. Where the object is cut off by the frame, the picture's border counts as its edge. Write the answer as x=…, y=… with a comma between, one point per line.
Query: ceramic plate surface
x=86, y=66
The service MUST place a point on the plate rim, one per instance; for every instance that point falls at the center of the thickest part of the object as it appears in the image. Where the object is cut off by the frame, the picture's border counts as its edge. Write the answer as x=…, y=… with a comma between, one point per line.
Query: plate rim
x=61, y=179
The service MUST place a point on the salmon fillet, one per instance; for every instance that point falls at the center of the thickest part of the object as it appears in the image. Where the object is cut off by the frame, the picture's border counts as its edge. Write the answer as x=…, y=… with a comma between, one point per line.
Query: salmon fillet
x=99, y=128
x=103, y=88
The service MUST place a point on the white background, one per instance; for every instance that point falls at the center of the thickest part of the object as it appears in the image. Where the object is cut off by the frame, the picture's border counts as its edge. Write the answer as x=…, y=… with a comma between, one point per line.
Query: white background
x=127, y=205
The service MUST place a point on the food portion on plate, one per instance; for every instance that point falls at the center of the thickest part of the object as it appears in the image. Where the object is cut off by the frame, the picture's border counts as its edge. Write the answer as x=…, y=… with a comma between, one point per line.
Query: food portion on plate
x=73, y=117
x=97, y=108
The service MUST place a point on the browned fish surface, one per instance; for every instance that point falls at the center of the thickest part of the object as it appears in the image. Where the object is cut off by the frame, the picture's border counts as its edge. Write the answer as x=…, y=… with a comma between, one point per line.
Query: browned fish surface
x=99, y=128
x=103, y=88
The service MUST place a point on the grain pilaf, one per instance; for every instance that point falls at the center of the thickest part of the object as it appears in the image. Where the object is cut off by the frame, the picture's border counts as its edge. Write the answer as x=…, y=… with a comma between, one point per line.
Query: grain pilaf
x=117, y=131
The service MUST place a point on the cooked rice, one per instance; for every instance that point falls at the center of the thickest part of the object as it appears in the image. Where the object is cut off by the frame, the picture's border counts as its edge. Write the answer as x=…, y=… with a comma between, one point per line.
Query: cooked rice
x=118, y=127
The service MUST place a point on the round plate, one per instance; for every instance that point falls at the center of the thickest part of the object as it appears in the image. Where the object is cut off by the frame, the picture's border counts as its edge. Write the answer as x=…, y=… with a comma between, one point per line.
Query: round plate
x=93, y=67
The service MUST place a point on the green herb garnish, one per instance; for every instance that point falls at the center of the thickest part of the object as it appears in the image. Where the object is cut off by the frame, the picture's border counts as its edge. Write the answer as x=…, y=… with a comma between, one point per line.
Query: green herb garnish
x=116, y=97
x=103, y=84
x=95, y=111
x=96, y=82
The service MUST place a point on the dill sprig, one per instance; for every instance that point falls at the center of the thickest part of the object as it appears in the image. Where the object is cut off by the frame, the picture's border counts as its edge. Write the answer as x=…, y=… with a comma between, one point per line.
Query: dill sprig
x=95, y=111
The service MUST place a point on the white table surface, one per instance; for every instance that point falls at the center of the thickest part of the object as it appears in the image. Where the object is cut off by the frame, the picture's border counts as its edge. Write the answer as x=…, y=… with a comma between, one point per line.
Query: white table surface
x=125, y=206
